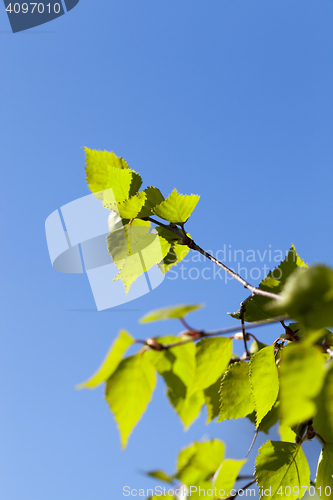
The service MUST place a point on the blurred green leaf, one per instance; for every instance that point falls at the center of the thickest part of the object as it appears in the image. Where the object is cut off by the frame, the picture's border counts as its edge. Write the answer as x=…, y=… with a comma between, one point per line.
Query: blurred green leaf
x=301, y=378
x=308, y=297
x=199, y=461
x=226, y=476
x=110, y=363
x=236, y=393
x=212, y=357
x=129, y=390
x=264, y=381
x=159, y=474
x=256, y=307
x=188, y=407
x=323, y=420
x=177, y=207
x=212, y=400
x=170, y=312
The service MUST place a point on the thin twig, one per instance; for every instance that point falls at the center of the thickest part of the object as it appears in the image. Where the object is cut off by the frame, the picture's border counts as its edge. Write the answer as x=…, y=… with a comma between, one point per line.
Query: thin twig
x=191, y=244
x=223, y=331
x=232, y=273
x=241, y=315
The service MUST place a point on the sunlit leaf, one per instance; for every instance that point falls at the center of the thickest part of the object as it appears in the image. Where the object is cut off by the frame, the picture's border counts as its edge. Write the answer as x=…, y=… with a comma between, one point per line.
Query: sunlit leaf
x=199, y=461
x=110, y=363
x=323, y=420
x=236, y=393
x=279, y=466
x=212, y=356
x=179, y=311
x=308, y=297
x=256, y=307
x=264, y=381
x=177, y=207
x=129, y=390
x=301, y=378
x=324, y=479
x=226, y=475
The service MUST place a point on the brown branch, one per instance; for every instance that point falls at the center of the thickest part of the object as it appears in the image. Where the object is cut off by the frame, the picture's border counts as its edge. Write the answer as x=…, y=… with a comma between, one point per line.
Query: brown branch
x=242, y=489
x=191, y=244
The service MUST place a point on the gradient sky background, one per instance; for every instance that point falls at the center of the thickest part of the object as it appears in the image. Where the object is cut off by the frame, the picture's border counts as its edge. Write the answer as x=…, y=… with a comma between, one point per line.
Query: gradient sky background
x=228, y=99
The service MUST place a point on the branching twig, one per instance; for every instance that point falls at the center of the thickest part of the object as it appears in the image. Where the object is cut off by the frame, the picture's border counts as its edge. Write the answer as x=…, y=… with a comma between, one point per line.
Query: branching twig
x=191, y=244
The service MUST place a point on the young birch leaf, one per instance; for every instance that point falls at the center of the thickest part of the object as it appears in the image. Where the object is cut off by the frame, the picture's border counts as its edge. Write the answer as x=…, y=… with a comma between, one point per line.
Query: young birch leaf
x=212, y=357
x=286, y=433
x=264, y=381
x=110, y=363
x=323, y=420
x=160, y=474
x=324, y=479
x=129, y=208
x=301, y=379
x=176, y=365
x=256, y=307
x=177, y=208
x=235, y=393
x=122, y=240
x=199, y=461
x=308, y=297
x=129, y=390
x=280, y=465
x=187, y=407
x=170, y=312
x=153, y=197
x=226, y=476
x=212, y=400
x=176, y=254
x=146, y=253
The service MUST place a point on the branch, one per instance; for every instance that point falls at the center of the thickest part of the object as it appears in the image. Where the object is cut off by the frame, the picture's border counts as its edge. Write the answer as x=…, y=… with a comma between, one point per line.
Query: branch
x=247, y=285
x=191, y=244
x=222, y=332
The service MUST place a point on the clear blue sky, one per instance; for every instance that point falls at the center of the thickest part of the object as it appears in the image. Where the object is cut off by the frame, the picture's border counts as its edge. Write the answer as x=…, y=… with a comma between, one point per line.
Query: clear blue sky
x=228, y=99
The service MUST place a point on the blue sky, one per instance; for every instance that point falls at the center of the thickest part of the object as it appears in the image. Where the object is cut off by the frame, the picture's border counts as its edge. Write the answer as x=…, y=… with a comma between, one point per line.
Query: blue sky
x=228, y=99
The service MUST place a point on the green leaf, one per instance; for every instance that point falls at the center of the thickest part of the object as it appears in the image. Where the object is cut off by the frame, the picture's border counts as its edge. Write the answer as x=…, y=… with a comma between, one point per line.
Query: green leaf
x=129, y=390
x=212, y=400
x=176, y=364
x=226, y=476
x=308, y=297
x=177, y=208
x=301, y=379
x=153, y=197
x=177, y=367
x=236, y=393
x=129, y=208
x=280, y=465
x=170, y=312
x=161, y=475
x=264, y=381
x=145, y=253
x=176, y=254
x=199, y=461
x=270, y=419
x=121, y=242
x=212, y=356
x=286, y=433
x=324, y=479
x=110, y=363
x=323, y=420
x=188, y=407
x=256, y=346
x=256, y=307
